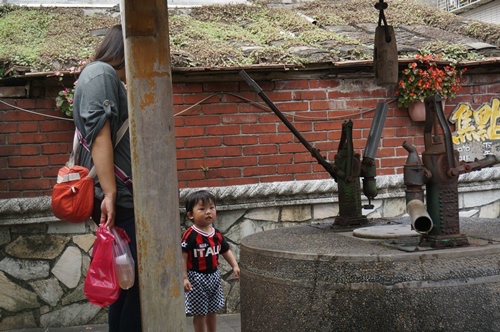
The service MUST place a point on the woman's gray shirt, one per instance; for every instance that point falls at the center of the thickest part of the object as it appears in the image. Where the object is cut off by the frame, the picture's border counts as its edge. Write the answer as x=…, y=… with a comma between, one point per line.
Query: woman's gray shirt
x=100, y=96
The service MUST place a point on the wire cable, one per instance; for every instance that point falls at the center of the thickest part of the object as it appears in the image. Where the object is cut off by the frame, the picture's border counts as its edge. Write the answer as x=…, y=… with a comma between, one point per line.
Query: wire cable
x=257, y=104
x=37, y=113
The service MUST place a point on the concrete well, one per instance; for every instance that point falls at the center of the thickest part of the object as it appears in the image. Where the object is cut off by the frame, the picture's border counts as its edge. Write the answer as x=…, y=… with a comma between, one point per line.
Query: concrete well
x=317, y=278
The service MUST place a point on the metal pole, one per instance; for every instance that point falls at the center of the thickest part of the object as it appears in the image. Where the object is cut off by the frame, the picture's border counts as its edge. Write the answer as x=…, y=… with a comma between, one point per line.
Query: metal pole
x=314, y=152
x=154, y=171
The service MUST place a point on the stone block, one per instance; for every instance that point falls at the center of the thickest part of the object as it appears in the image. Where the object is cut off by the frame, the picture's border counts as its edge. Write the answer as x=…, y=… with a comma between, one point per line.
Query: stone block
x=475, y=199
x=85, y=241
x=25, y=269
x=226, y=219
x=26, y=320
x=323, y=211
x=296, y=213
x=37, y=246
x=69, y=266
x=394, y=207
x=67, y=228
x=264, y=214
x=490, y=211
x=48, y=290
x=15, y=298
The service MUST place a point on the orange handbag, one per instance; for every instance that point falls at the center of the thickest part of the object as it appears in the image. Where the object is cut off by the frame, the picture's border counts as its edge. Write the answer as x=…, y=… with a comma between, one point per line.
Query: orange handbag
x=73, y=194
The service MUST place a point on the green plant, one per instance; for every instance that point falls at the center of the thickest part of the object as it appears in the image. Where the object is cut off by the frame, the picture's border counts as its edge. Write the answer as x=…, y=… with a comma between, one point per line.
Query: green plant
x=64, y=99
x=450, y=52
x=21, y=33
x=423, y=78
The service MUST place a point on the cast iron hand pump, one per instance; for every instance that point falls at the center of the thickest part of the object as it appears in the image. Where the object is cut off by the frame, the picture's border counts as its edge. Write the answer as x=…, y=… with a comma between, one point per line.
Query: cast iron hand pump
x=439, y=223
x=348, y=167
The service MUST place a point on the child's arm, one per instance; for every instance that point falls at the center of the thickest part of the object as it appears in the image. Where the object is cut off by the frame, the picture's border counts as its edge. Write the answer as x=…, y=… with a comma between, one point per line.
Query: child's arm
x=229, y=257
x=187, y=284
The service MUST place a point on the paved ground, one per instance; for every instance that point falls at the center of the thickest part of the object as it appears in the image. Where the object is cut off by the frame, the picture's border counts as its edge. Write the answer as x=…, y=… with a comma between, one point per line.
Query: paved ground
x=225, y=323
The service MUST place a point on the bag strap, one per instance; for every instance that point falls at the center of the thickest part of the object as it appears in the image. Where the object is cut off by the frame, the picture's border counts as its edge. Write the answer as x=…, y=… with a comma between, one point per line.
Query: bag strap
x=71, y=161
x=121, y=132
x=119, y=135
x=118, y=172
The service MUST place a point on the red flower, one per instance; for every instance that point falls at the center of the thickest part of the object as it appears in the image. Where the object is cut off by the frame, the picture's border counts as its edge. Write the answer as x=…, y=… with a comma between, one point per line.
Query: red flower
x=423, y=78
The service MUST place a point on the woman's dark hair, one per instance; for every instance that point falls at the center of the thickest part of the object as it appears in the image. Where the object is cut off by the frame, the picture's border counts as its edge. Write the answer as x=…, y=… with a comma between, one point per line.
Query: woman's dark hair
x=202, y=196
x=112, y=50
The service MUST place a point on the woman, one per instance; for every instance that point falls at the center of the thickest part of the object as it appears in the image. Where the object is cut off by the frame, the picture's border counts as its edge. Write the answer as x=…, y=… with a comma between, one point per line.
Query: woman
x=100, y=109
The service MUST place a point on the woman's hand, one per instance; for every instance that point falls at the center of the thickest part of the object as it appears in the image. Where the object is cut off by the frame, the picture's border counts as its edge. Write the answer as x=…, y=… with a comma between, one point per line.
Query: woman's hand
x=108, y=212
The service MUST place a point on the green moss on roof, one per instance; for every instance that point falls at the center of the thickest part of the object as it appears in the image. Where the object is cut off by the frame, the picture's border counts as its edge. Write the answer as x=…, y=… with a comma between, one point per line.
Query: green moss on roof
x=48, y=39
x=22, y=33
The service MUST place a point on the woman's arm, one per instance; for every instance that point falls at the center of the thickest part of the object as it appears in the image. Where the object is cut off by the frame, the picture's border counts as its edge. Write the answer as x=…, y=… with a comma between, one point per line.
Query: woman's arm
x=102, y=155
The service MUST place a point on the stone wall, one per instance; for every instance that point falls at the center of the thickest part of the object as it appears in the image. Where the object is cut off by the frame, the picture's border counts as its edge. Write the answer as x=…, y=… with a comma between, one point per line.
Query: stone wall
x=43, y=261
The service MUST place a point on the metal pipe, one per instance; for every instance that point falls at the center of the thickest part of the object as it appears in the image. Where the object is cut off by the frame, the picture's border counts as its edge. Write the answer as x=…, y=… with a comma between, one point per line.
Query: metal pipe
x=419, y=217
x=376, y=130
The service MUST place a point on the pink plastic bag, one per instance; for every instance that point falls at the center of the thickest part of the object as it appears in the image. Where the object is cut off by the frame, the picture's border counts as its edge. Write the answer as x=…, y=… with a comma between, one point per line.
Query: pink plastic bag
x=101, y=283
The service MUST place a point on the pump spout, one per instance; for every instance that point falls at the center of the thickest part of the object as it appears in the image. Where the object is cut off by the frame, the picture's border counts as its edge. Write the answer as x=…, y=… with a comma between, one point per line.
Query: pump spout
x=415, y=176
x=419, y=217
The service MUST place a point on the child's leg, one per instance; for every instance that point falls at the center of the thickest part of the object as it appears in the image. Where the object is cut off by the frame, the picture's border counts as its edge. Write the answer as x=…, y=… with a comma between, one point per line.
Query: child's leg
x=211, y=321
x=199, y=323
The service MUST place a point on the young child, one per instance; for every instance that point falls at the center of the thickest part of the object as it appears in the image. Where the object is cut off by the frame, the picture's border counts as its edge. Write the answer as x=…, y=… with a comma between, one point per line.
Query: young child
x=201, y=246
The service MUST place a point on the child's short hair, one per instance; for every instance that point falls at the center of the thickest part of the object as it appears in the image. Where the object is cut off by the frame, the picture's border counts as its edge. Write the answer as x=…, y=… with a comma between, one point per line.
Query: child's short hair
x=202, y=196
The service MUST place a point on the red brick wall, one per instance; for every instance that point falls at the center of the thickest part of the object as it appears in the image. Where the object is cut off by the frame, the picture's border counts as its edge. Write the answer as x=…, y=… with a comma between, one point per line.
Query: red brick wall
x=32, y=147
x=229, y=140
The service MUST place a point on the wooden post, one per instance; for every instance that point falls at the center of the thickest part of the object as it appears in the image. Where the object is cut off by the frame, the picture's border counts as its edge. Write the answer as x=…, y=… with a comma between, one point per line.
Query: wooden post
x=154, y=170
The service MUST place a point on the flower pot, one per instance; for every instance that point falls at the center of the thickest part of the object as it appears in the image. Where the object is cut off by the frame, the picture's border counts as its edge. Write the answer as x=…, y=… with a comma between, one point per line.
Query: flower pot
x=416, y=110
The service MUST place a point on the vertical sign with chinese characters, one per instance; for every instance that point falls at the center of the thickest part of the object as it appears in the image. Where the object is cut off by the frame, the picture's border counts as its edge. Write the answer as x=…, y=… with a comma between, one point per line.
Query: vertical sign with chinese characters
x=477, y=131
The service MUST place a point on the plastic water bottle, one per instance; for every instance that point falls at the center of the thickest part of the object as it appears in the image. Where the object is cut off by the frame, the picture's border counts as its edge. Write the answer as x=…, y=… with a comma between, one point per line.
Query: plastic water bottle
x=125, y=271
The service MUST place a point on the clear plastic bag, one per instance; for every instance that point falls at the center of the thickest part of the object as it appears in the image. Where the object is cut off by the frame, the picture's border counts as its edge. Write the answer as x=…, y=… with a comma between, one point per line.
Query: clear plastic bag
x=124, y=263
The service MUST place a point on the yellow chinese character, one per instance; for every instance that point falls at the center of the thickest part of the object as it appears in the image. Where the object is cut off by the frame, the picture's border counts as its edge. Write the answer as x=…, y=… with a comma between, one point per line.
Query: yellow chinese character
x=482, y=117
x=463, y=117
x=494, y=130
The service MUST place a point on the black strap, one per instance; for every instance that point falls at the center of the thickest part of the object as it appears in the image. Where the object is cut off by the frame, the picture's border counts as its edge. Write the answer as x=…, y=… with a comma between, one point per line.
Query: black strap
x=381, y=5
